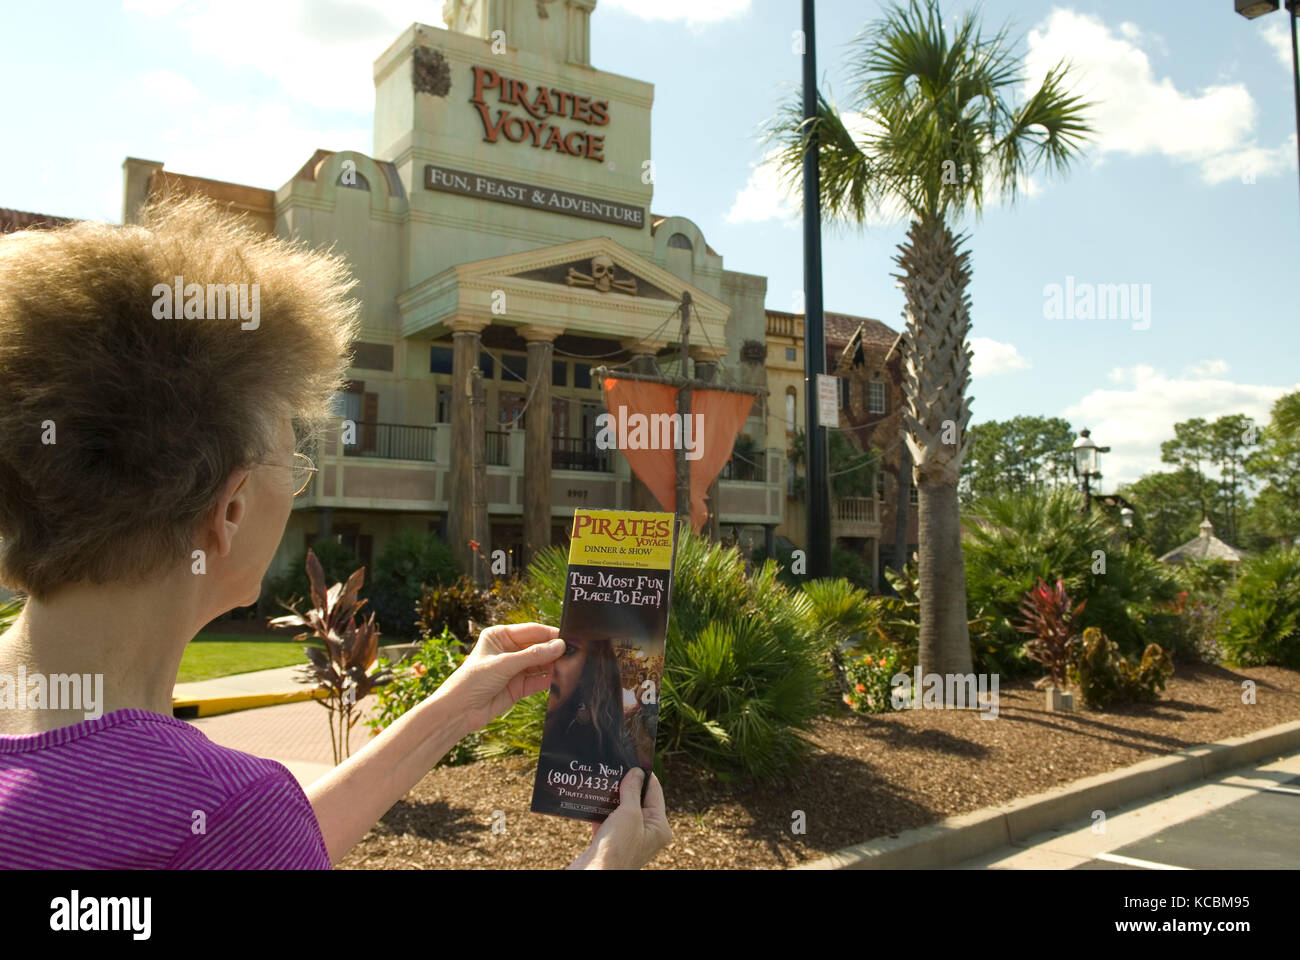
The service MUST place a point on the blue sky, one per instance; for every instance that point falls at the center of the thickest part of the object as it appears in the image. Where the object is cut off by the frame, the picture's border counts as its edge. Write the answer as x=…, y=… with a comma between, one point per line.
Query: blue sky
x=1189, y=189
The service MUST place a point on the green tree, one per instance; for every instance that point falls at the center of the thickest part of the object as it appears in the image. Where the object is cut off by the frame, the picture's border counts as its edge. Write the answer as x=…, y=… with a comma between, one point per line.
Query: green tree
x=1167, y=507
x=939, y=129
x=1016, y=454
x=1274, y=516
x=1190, y=449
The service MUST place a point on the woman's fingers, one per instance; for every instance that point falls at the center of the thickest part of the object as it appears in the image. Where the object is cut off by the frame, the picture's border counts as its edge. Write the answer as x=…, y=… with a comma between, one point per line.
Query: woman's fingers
x=513, y=637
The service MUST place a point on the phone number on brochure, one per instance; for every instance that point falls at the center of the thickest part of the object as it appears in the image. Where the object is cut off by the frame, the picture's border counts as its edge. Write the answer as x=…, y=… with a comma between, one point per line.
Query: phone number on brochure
x=558, y=778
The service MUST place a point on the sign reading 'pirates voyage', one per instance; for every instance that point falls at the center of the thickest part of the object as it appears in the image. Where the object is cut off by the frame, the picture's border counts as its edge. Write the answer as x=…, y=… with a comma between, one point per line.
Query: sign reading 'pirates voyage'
x=525, y=115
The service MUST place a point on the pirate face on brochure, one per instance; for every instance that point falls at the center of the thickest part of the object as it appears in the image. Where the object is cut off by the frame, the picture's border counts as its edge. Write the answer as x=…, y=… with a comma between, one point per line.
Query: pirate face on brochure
x=566, y=673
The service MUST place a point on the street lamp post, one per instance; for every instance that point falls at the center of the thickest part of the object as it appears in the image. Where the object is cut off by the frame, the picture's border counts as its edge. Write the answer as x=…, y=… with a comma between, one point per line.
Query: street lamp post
x=1250, y=9
x=1086, y=461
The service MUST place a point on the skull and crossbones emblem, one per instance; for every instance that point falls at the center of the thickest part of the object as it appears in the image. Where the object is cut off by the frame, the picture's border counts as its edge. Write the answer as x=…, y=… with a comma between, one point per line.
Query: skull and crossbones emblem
x=601, y=277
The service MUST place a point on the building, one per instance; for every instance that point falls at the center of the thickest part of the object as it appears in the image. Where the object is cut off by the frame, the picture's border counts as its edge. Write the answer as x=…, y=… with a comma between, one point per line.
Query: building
x=504, y=224
x=864, y=354
x=505, y=248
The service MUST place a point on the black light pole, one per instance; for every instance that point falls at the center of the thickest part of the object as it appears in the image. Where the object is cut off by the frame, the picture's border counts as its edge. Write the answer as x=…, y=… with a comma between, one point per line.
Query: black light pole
x=814, y=337
x=1086, y=461
x=1250, y=9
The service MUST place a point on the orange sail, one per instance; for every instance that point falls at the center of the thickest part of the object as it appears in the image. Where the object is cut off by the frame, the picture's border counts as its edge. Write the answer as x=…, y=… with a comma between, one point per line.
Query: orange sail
x=715, y=420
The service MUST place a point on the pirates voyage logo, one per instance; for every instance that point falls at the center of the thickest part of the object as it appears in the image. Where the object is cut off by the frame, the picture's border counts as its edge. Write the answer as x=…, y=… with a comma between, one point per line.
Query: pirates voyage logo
x=537, y=107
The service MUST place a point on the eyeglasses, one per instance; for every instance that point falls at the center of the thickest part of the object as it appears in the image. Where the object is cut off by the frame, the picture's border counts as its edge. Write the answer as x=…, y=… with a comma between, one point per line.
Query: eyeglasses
x=303, y=470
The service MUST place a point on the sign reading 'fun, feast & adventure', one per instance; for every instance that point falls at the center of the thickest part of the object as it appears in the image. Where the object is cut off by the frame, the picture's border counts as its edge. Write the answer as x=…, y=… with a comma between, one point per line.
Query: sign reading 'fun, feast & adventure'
x=469, y=184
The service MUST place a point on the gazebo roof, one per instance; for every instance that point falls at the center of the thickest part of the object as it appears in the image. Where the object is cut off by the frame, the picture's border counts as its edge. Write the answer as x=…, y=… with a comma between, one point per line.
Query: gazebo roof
x=1207, y=545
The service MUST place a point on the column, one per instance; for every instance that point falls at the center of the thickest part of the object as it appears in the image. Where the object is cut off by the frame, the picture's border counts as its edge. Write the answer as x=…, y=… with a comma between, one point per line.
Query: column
x=642, y=360
x=706, y=370
x=467, y=445
x=537, y=439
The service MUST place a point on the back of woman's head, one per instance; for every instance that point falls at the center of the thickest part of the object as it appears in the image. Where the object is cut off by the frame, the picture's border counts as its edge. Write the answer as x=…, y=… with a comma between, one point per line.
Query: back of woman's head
x=123, y=409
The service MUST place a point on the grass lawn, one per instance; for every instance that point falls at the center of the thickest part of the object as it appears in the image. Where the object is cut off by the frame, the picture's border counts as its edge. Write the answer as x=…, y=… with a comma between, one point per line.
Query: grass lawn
x=212, y=655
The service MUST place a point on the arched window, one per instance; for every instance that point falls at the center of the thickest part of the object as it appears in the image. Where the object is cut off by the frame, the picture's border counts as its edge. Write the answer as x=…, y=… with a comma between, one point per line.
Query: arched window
x=681, y=241
x=790, y=400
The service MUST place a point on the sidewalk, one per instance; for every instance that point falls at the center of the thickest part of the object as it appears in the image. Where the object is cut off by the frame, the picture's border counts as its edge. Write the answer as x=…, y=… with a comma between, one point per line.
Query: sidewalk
x=266, y=713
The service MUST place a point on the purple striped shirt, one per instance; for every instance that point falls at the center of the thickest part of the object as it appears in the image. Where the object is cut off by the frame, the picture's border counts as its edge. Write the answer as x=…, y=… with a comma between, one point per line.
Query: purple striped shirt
x=134, y=789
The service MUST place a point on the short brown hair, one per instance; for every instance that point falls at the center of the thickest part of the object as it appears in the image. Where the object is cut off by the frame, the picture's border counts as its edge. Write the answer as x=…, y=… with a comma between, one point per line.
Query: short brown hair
x=150, y=416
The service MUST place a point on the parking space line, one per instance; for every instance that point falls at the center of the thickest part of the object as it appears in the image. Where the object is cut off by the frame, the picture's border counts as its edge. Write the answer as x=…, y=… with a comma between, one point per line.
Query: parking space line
x=1135, y=862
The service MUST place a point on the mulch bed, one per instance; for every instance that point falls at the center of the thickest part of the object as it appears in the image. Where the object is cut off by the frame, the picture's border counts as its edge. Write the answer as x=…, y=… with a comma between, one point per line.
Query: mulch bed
x=868, y=776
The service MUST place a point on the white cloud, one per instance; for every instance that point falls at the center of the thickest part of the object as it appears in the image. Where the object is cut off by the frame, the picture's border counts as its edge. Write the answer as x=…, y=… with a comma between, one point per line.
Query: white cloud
x=992, y=357
x=1277, y=33
x=764, y=197
x=1139, y=414
x=692, y=12
x=1206, y=368
x=1138, y=114
x=319, y=52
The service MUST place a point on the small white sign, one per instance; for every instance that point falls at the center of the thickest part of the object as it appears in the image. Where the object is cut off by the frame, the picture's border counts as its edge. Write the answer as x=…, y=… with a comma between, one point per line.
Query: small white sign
x=828, y=401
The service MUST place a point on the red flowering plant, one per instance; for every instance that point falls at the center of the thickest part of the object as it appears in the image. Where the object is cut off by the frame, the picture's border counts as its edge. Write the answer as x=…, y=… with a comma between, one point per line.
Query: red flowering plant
x=869, y=679
x=342, y=668
x=1047, y=616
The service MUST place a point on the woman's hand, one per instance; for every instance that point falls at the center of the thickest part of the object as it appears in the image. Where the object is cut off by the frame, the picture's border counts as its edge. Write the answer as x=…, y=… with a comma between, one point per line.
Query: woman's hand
x=509, y=661
x=631, y=835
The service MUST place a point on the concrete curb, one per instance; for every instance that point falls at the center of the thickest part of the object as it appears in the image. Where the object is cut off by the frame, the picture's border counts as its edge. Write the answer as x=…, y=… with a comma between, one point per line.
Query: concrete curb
x=968, y=835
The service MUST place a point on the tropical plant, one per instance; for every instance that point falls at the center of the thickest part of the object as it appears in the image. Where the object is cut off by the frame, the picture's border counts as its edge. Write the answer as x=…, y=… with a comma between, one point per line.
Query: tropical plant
x=901, y=626
x=848, y=619
x=1263, y=611
x=336, y=560
x=1104, y=678
x=1051, y=622
x=342, y=668
x=9, y=611
x=938, y=132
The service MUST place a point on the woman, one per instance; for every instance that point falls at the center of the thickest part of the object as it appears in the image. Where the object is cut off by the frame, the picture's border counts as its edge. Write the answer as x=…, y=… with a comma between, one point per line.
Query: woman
x=147, y=470
x=584, y=712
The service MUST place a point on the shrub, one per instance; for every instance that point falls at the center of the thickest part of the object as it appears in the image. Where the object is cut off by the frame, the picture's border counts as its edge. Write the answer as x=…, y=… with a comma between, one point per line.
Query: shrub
x=1263, y=613
x=452, y=607
x=1014, y=539
x=418, y=678
x=744, y=672
x=848, y=620
x=849, y=566
x=1104, y=678
x=870, y=681
x=1047, y=616
x=1205, y=576
x=411, y=561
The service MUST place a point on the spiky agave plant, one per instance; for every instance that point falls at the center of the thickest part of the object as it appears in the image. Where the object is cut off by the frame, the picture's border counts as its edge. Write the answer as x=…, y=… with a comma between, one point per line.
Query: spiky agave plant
x=928, y=132
x=342, y=668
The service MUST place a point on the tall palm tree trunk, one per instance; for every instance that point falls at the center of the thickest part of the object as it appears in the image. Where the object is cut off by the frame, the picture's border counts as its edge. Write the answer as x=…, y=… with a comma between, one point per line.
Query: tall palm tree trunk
x=937, y=364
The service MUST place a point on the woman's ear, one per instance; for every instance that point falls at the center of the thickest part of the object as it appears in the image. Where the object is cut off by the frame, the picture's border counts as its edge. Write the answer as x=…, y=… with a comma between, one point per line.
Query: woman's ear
x=228, y=513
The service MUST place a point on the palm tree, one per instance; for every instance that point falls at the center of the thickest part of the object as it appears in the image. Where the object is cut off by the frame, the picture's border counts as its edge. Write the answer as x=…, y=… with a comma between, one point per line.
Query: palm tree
x=935, y=133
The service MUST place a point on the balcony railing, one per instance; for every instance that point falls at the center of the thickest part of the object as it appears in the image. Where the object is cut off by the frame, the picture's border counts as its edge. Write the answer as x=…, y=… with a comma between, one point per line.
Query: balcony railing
x=578, y=453
x=392, y=441
x=784, y=326
x=855, y=510
x=748, y=468
x=496, y=447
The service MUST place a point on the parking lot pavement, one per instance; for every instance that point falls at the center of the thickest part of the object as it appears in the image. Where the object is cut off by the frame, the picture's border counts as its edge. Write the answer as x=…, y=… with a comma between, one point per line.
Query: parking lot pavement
x=1247, y=819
